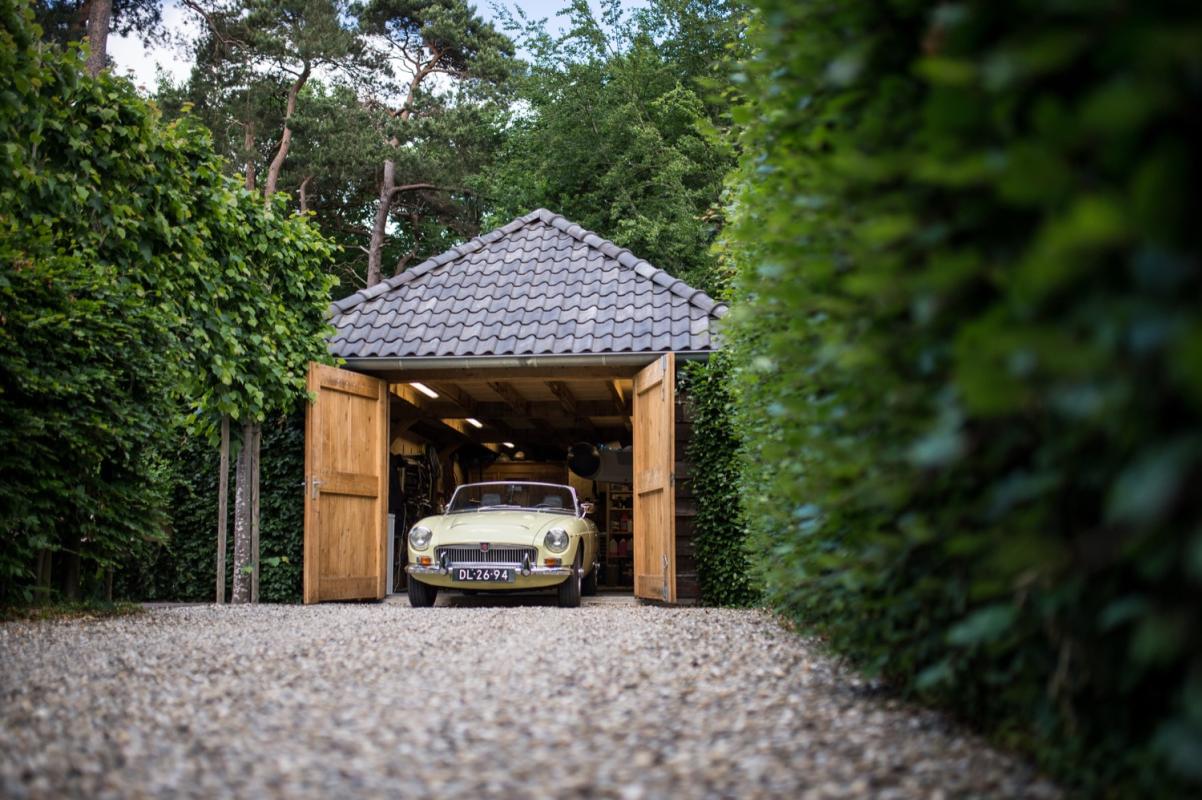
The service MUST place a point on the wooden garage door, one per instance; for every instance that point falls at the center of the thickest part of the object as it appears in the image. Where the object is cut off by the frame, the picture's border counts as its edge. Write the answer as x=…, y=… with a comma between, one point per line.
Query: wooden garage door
x=654, y=497
x=346, y=486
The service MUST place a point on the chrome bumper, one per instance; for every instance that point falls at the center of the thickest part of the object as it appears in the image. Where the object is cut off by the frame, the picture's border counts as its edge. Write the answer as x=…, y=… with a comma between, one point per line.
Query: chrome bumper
x=519, y=569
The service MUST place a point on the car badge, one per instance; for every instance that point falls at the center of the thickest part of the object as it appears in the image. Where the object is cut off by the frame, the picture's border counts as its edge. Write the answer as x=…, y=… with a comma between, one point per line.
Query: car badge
x=483, y=547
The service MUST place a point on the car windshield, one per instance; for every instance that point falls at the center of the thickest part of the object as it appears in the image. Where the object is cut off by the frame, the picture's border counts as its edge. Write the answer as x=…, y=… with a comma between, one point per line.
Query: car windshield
x=509, y=495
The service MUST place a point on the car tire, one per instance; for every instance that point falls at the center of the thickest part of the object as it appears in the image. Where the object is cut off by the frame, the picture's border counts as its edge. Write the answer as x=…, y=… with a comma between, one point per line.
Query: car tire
x=588, y=587
x=421, y=595
x=569, y=590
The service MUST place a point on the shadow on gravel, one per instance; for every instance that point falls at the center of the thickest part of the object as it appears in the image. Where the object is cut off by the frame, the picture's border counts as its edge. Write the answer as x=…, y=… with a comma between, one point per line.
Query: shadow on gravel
x=486, y=600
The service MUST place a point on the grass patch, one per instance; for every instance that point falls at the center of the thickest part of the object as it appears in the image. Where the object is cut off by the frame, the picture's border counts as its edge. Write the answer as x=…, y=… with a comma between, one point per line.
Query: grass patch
x=81, y=610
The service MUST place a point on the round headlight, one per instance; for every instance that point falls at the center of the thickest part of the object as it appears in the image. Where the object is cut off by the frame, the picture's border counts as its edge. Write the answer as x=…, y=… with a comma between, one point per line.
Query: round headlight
x=419, y=537
x=556, y=540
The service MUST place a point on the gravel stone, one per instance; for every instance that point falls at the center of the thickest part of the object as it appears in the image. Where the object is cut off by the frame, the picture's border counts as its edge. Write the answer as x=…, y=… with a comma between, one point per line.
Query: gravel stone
x=611, y=700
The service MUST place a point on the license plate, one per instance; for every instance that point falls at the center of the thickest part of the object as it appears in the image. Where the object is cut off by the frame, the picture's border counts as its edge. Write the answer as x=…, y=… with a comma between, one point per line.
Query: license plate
x=487, y=574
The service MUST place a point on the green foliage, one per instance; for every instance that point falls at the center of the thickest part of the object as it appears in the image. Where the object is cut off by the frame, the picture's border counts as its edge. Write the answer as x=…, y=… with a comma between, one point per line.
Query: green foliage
x=620, y=135
x=182, y=566
x=720, y=529
x=137, y=279
x=349, y=116
x=66, y=21
x=969, y=350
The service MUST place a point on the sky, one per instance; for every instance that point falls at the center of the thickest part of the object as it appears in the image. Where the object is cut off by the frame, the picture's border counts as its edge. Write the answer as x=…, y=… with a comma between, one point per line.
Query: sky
x=133, y=58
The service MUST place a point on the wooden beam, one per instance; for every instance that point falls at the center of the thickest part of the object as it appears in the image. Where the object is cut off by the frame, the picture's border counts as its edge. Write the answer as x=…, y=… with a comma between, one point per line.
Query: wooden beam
x=621, y=404
x=550, y=410
x=565, y=397
x=473, y=408
x=406, y=408
x=457, y=396
x=570, y=404
x=558, y=436
x=511, y=396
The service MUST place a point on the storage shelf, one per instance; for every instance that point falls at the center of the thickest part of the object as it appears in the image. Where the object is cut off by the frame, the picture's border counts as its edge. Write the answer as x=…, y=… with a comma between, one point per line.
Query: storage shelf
x=619, y=507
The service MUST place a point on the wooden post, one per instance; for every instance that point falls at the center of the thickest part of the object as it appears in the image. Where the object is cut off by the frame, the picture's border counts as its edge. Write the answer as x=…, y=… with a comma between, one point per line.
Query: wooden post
x=254, y=513
x=223, y=496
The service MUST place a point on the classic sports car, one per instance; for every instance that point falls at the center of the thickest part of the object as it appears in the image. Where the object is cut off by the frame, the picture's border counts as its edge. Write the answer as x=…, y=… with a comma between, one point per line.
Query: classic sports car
x=507, y=536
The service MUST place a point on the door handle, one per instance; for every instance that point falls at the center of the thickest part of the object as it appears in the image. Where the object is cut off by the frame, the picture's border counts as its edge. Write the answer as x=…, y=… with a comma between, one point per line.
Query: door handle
x=316, y=483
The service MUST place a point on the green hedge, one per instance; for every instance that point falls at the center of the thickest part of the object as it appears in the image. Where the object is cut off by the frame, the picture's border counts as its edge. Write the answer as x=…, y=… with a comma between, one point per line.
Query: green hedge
x=138, y=283
x=183, y=567
x=720, y=533
x=94, y=191
x=969, y=341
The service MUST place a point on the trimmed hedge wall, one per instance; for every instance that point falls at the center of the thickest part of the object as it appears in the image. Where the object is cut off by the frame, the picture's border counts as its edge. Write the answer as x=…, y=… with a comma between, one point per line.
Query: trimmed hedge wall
x=720, y=535
x=184, y=567
x=969, y=341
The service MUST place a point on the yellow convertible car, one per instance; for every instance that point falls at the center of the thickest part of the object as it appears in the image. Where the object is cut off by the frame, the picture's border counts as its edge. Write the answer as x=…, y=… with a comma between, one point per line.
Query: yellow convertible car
x=505, y=536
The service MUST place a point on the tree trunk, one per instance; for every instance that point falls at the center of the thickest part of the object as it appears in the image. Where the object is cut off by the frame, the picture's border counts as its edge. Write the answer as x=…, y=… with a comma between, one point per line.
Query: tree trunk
x=254, y=513
x=304, y=194
x=242, y=517
x=223, y=494
x=375, y=253
x=281, y=153
x=248, y=146
x=45, y=578
x=388, y=187
x=100, y=14
x=71, y=564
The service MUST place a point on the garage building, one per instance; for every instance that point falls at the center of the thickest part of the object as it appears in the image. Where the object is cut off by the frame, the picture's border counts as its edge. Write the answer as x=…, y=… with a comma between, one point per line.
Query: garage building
x=489, y=362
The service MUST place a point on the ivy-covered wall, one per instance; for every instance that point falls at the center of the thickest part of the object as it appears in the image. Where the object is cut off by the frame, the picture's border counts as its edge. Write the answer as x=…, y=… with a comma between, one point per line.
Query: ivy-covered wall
x=184, y=566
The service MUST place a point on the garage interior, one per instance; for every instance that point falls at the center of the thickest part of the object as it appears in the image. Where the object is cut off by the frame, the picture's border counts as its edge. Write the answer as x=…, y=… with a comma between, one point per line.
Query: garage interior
x=443, y=433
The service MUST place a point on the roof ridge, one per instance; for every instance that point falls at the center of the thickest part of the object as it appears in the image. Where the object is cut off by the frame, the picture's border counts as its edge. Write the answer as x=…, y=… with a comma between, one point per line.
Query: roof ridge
x=625, y=258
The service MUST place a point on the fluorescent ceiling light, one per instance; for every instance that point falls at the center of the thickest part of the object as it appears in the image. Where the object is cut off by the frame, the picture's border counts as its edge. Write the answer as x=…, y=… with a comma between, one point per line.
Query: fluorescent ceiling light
x=508, y=444
x=424, y=389
x=475, y=422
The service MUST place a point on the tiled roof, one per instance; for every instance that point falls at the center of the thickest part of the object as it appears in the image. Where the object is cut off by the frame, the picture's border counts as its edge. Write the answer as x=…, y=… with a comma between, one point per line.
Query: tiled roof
x=540, y=285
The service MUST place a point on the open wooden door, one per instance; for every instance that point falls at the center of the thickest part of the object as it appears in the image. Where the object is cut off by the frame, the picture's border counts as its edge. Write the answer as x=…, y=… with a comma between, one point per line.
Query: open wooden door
x=346, y=486
x=654, y=495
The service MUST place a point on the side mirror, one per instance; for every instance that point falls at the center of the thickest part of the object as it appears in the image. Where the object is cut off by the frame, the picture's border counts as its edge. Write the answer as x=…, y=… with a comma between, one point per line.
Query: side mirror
x=586, y=509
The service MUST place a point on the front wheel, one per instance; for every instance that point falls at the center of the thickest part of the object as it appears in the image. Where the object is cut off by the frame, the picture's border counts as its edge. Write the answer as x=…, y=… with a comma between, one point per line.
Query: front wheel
x=421, y=595
x=588, y=587
x=569, y=590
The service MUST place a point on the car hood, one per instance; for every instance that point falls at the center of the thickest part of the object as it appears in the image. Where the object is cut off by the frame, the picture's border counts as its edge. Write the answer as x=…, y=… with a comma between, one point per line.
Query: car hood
x=508, y=527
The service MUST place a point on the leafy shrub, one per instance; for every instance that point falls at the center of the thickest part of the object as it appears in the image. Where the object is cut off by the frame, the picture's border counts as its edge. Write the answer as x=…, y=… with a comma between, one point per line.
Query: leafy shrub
x=970, y=362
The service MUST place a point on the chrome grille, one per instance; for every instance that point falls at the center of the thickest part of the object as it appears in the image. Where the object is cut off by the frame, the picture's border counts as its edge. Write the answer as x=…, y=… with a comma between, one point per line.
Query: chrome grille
x=497, y=554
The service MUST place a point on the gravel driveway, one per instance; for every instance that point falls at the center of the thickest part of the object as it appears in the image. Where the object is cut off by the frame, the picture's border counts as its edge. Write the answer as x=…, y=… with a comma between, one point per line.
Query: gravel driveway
x=610, y=700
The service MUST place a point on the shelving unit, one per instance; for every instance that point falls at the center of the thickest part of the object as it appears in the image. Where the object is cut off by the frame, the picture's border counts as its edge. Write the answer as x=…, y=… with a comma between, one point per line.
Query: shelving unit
x=619, y=536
